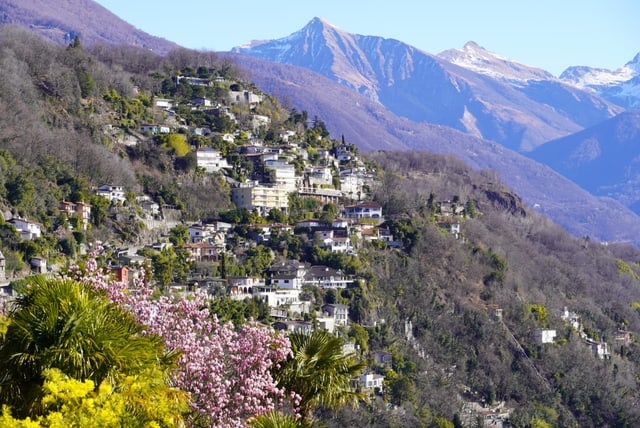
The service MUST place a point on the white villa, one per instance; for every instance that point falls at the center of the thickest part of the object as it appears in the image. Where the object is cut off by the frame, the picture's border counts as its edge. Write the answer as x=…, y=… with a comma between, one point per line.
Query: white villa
x=211, y=160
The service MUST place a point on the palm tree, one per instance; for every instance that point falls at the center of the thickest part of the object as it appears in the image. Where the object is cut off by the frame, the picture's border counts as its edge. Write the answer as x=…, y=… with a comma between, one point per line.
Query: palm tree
x=69, y=326
x=274, y=419
x=319, y=372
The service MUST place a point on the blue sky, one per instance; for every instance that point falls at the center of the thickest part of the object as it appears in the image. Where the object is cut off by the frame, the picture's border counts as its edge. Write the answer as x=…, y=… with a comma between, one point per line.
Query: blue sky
x=548, y=34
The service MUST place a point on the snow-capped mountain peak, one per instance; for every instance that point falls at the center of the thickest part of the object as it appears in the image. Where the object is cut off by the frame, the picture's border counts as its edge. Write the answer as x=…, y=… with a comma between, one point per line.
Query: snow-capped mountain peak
x=314, y=36
x=622, y=86
x=634, y=64
x=476, y=58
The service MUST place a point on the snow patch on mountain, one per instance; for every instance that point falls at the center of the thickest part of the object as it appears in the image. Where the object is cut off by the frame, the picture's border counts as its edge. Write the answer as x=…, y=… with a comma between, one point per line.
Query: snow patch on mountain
x=631, y=88
x=584, y=77
x=621, y=86
x=476, y=58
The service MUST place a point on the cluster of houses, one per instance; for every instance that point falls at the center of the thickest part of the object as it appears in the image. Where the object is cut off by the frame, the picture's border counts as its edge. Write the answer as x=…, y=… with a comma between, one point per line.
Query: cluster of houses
x=599, y=347
x=328, y=179
x=328, y=175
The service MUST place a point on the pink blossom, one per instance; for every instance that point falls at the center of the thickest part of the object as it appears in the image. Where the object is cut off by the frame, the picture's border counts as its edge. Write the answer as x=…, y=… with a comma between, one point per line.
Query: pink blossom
x=226, y=370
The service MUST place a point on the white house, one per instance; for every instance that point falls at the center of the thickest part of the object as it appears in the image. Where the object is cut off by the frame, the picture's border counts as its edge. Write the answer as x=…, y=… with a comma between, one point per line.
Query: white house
x=221, y=226
x=287, y=282
x=283, y=174
x=285, y=135
x=319, y=175
x=38, y=264
x=453, y=227
x=154, y=129
x=336, y=244
x=326, y=277
x=294, y=326
x=338, y=311
x=113, y=193
x=572, y=318
x=326, y=323
x=283, y=297
x=201, y=101
x=365, y=209
x=288, y=274
x=258, y=120
x=199, y=233
x=151, y=207
x=371, y=381
x=345, y=153
x=352, y=183
x=196, y=81
x=27, y=230
x=599, y=349
x=261, y=198
x=545, y=335
x=163, y=103
x=244, y=97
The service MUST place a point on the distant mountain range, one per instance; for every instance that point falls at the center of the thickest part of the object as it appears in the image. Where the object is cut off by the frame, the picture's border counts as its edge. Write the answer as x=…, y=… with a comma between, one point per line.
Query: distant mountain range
x=385, y=95
x=471, y=90
x=621, y=86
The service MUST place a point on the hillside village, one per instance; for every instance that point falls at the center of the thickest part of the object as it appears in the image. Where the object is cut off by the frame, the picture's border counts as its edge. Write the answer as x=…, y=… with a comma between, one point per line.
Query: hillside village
x=288, y=243
x=324, y=181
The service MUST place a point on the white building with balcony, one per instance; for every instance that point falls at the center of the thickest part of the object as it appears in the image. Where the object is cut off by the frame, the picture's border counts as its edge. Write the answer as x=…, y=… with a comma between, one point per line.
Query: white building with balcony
x=261, y=198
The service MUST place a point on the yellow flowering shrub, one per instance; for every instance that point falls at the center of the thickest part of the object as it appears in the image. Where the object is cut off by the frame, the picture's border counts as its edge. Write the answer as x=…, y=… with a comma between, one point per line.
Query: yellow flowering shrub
x=143, y=400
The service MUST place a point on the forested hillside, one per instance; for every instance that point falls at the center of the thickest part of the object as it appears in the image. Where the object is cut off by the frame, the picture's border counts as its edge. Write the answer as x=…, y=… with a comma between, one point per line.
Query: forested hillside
x=519, y=263
x=461, y=317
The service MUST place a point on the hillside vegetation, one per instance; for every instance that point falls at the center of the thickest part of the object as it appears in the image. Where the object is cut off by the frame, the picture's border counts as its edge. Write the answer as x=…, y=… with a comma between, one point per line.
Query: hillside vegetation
x=458, y=316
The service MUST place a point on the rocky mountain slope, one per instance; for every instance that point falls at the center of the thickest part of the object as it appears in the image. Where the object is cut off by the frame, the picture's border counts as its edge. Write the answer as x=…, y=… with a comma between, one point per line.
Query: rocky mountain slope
x=604, y=159
x=621, y=86
x=459, y=318
x=61, y=20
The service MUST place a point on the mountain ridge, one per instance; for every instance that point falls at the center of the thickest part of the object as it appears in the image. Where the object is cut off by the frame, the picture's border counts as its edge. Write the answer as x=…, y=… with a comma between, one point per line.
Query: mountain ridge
x=475, y=57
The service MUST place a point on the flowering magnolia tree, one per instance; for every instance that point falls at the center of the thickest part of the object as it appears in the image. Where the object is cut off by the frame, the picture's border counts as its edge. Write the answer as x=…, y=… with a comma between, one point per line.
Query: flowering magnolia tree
x=226, y=370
